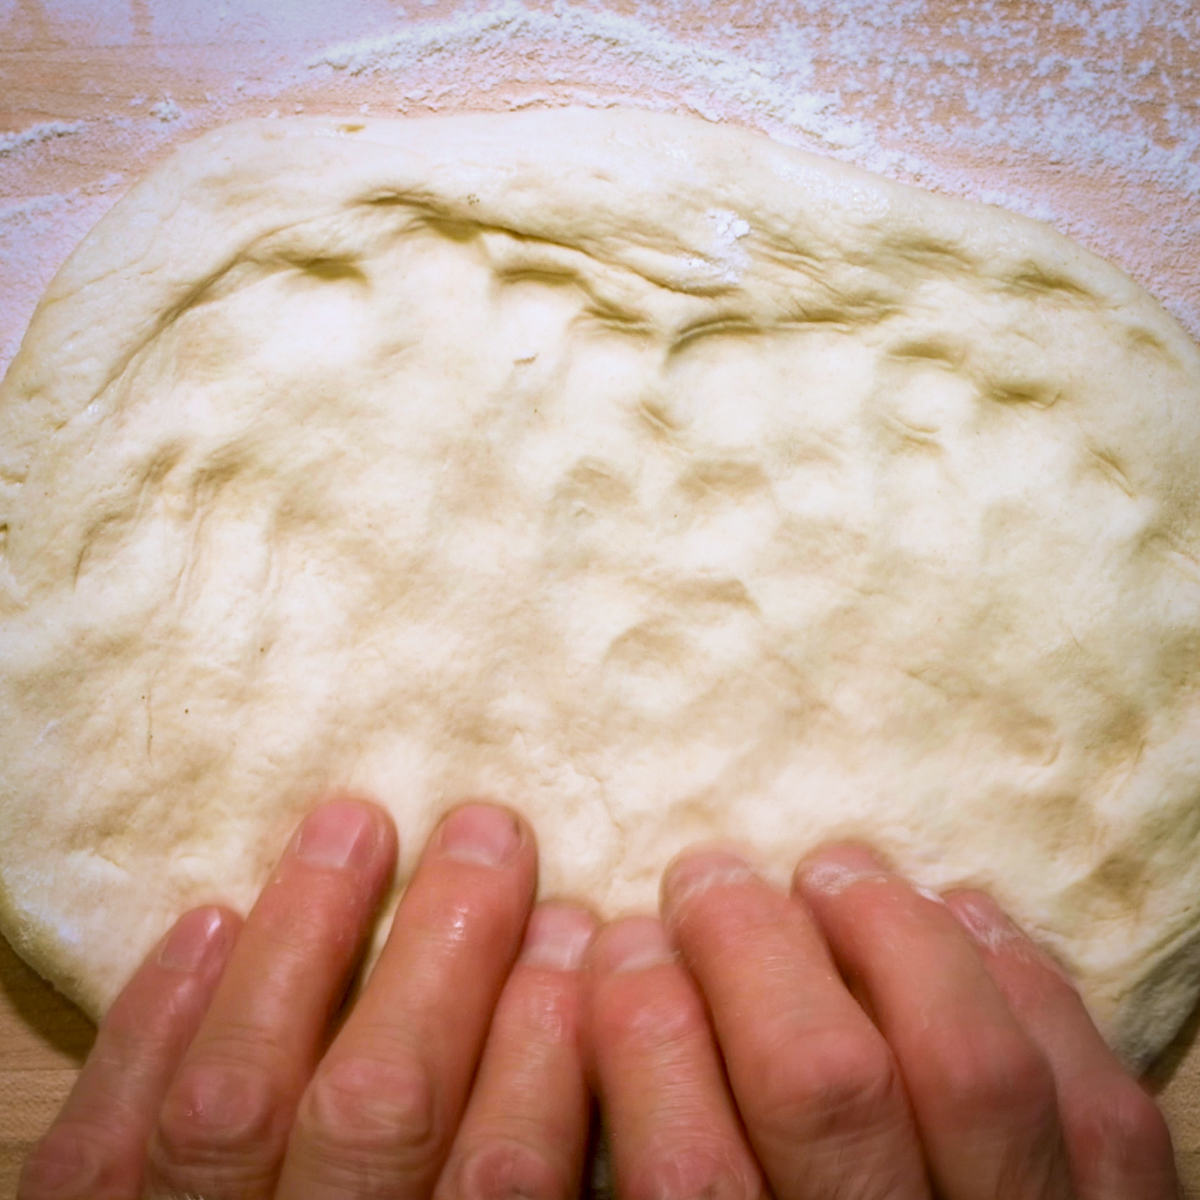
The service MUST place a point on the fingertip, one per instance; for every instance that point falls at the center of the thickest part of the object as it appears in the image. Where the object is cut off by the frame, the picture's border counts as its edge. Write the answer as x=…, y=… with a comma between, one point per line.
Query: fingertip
x=994, y=932
x=482, y=833
x=697, y=871
x=343, y=833
x=200, y=938
x=831, y=869
x=558, y=936
x=630, y=944
x=985, y=923
x=388, y=836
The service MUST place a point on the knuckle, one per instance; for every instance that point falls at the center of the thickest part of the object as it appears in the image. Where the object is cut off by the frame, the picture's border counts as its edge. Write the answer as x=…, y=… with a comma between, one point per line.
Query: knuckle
x=66, y=1162
x=501, y=1169
x=692, y=1171
x=827, y=1082
x=1037, y=1166
x=226, y=1111
x=372, y=1109
x=1118, y=1125
x=979, y=1071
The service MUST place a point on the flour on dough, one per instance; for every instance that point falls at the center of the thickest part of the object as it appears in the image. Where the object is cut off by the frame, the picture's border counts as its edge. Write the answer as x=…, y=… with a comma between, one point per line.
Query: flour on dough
x=649, y=476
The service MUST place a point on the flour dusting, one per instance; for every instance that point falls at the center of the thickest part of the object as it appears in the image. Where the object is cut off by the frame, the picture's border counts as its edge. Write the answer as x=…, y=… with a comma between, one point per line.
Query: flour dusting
x=841, y=73
x=166, y=110
x=10, y=142
x=1068, y=115
x=1081, y=113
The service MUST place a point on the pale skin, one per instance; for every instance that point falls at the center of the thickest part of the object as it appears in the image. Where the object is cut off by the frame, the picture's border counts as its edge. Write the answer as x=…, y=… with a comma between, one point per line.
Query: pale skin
x=854, y=1039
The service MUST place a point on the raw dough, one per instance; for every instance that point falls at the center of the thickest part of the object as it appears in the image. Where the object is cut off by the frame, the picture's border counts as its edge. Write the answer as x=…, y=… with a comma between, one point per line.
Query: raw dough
x=660, y=480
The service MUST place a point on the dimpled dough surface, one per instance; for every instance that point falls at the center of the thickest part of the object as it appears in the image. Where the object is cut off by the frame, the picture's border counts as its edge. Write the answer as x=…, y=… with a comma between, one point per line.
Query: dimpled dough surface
x=662, y=481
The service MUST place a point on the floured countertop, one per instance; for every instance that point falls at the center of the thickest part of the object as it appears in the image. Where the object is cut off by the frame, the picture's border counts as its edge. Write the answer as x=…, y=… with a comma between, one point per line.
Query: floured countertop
x=1083, y=113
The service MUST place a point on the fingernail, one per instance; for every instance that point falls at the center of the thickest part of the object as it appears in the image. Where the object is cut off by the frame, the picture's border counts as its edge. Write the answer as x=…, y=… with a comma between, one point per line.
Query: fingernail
x=557, y=937
x=334, y=834
x=480, y=833
x=834, y=869
x=695, y=873
x=635, y=944
x=985, y=922
x=192, y=940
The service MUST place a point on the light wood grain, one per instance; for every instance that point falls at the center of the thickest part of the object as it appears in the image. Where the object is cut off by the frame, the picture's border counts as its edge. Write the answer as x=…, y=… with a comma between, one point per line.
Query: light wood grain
x=43, y=1041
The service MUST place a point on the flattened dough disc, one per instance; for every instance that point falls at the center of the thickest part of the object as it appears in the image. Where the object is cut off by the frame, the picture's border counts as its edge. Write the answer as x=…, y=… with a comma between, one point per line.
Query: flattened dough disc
x=657, y=479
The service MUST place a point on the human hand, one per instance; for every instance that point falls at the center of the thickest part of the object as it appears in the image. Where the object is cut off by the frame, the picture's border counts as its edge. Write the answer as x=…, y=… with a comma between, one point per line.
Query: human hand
x=217, y=1072
x=859, y=1039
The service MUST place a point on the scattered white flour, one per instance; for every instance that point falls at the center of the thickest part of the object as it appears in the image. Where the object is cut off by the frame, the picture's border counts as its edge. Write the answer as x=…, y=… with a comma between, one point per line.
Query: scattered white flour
x=1078, y=112
x=726, y=258
x=166, y=110
x=642, y=65
x=45, y=132
x=991, y=106
x=990, y=82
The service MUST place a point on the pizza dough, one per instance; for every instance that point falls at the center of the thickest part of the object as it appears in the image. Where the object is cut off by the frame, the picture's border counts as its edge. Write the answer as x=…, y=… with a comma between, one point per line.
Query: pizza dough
x=661, y=481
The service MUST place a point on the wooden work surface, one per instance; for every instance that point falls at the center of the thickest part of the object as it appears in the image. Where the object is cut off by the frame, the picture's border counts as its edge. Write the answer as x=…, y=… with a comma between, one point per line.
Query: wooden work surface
x=131, y=84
